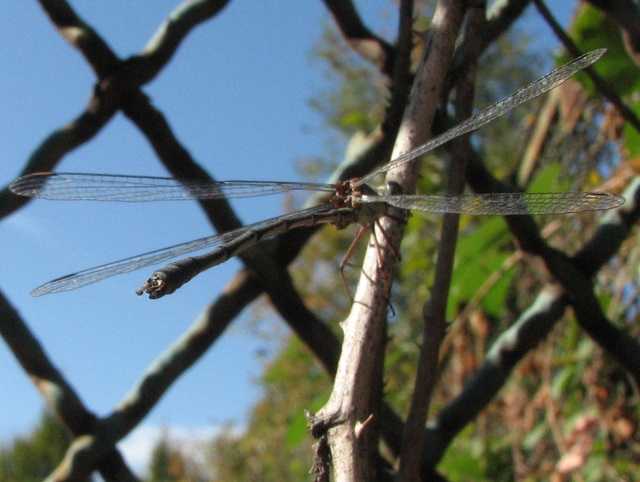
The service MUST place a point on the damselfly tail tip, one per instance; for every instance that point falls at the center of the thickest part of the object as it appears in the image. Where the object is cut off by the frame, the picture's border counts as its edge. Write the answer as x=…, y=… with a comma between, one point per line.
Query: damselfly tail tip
x=153, y=287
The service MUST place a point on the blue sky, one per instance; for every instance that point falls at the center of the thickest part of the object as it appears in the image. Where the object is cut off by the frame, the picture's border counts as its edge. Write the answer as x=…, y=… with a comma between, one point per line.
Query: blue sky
x=236, y=96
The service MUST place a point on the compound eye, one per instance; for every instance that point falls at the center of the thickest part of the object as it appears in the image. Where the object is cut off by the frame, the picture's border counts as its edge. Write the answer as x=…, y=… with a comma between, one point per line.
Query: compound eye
x=393, y=188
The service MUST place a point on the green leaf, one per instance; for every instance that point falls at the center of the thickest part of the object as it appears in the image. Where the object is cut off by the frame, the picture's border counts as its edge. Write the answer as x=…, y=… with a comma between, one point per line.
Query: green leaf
x=479, y=257
x=549, y=179
x=593, y=29
x=631, y=134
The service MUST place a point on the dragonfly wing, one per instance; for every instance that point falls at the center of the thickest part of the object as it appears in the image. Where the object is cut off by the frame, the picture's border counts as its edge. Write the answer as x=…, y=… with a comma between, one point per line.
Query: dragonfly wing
x=539, y=87
x=93, y=275
x=509, y=203
x=107, y=187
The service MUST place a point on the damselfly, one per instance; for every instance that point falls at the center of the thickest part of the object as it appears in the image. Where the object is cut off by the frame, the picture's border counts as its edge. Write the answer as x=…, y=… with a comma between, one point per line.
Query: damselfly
x=352, y=201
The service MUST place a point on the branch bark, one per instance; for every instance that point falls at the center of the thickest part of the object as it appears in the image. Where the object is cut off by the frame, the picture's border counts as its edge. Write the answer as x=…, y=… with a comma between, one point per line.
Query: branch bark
x=349, y=418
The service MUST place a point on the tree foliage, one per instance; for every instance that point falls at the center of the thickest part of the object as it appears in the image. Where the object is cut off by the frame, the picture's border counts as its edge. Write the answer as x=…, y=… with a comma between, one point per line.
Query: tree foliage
x=34, y=456
x=276, y=444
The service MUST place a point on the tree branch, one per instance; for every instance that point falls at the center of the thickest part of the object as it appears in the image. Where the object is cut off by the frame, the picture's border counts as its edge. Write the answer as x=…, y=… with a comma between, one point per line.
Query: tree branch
x=434, y=312
x=164, y=43
x=360, y=38
x=80, y=35
x=355, y=399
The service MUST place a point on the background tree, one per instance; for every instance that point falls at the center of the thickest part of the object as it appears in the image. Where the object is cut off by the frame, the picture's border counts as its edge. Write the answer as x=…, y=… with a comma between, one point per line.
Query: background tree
x=503, y=303
x=172, y=462
x=33, y=457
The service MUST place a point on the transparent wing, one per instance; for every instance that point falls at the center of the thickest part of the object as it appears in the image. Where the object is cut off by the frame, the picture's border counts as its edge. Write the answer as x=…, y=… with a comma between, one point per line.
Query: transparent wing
x=93, y=275
x=506, y=203
x=107, y=187
x=539, y=87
